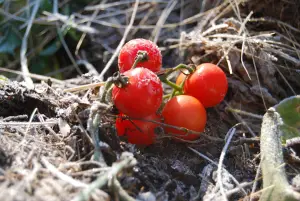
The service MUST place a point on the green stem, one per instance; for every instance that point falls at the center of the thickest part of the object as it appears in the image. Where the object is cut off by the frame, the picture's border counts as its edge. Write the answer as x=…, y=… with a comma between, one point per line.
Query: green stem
x=107, y=86
x=173, y=93
x=141, y=56
x=167, y=96
x=172, y=84
x=109, y=93
x=181, y=86
x=95, y=136
x=184, y=66
x=179, y=67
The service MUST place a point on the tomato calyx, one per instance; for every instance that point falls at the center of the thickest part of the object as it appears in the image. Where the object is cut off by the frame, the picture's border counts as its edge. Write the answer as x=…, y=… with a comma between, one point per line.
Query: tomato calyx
x=119, y=80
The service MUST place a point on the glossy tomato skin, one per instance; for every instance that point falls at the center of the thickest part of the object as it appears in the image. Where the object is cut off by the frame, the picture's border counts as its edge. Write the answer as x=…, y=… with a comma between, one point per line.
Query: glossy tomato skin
x=129, y=52
x=184, y=111
x=208, y=84
x=142, y=95
x=138, y=131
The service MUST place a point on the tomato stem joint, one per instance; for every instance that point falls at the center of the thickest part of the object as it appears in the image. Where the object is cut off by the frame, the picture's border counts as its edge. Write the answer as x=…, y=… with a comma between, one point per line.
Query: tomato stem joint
x=120, y=80
x=140, y=57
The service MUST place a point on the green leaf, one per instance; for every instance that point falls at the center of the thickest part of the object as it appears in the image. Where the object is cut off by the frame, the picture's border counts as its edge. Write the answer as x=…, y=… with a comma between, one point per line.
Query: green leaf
x=51, y=49
x=9, y=42
x=45, y=5
x=289, y=110
x=74, y=34
x=39, y=65
x=288, y=133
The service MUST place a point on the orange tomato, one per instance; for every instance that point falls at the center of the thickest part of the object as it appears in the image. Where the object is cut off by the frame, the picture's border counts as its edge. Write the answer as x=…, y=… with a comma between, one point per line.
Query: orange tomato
x=184, y=111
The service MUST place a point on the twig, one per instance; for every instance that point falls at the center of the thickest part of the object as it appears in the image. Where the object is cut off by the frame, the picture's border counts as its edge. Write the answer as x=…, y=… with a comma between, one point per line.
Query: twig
x=24, y=64
x=28, y=123
x=203, y=156
x=108, y=5
x=109, y=63
x=223, y=153
x=216, y=164
x=243, y=24
x=88, y=66
x=61, y=175
x=237, y=189
x=15, y=118
x=85, y=87
x=93, y=128
x=156, y=31
x=30, y=119
x=246, y=140
x=62, y=40
x=255, y=181
x=26, y=131
x=14, y=15
x=84, y=34
x=69, y=22
x=257, y=77
x=35, y=76
x=117, y=188
x=275, y=21
x=244, y=113
x=241, y=120
x=127, y=161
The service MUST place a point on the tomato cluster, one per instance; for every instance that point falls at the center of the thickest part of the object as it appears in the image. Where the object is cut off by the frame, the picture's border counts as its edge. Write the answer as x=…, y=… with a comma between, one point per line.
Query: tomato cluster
x=141, y=102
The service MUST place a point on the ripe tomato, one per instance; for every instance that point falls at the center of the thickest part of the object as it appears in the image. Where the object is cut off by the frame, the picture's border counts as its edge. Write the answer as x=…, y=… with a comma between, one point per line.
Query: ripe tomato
x=142, y=95
x=208, y=84
x=184, y=111
x=138, y=131
x=129, y=52
x=180, y=78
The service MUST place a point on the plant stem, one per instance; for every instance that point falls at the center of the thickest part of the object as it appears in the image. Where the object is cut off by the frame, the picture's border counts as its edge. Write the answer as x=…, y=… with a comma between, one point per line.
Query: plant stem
x=166, y=96
x=272, y=163
x=172, y=84
x=107, y=86
x=184, y=66
x=141, y=56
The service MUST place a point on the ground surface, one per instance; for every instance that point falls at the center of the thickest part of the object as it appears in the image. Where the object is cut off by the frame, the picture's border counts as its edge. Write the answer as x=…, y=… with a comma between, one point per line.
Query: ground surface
x=46, y=152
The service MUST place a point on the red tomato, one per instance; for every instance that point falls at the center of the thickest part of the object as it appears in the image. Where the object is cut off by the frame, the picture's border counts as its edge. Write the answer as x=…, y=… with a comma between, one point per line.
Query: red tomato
x=184, y=111
x=208, y=84
x=129, y=52
x=138, y=131
x=142, y=95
